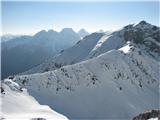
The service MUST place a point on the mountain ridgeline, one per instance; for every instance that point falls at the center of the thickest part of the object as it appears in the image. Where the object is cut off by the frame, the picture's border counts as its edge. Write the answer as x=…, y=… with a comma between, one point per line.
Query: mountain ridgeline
x=143, y=35
x=110, y=75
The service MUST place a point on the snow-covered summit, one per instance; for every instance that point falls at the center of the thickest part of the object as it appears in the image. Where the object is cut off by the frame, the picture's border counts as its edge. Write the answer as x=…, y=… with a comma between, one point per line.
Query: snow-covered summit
x=67, y=31
x=82, y=33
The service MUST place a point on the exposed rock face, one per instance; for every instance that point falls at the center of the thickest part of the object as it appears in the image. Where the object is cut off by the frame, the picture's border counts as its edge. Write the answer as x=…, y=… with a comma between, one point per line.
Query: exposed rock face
x=148, y=114
x=38, y=119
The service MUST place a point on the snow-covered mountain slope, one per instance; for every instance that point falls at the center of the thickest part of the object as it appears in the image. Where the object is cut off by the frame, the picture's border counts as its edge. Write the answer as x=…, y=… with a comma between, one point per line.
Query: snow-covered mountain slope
x=145, y=35
x=71, y=55
x=109, y=41
x=118, y=84
x=17, y=104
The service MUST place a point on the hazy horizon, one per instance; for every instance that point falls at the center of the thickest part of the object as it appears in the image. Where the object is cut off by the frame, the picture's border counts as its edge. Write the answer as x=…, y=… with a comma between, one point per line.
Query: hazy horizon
x=31, y=17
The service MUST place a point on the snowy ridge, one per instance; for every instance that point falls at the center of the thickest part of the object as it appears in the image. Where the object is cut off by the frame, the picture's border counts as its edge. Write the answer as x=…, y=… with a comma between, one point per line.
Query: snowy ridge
x=148, y=115
x=132, y=77
x=108, y=42
x=143, y=34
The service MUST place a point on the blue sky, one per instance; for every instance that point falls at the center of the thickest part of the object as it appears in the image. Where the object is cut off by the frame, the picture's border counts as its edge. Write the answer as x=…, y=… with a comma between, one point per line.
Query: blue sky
x=31, y=17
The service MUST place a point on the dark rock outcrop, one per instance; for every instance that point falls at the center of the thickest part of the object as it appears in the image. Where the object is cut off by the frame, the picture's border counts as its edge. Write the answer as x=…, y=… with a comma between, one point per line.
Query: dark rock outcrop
x=147, y=115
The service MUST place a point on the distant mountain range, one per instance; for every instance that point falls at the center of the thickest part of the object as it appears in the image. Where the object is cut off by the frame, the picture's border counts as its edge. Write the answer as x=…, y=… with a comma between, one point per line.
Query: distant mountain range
x=20, y=53
x=105, y=75
x=8, y=37
x=82, y=33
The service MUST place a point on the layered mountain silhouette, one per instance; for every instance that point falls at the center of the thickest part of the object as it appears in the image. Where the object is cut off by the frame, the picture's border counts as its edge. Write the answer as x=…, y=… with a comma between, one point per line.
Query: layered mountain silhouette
x=20, y=53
